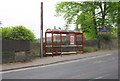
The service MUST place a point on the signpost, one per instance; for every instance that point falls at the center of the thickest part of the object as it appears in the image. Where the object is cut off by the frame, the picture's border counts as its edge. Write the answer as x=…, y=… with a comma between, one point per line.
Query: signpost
x=103, y=31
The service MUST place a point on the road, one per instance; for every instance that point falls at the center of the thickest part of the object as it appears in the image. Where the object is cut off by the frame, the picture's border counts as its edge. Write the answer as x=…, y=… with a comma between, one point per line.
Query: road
x=99, y=67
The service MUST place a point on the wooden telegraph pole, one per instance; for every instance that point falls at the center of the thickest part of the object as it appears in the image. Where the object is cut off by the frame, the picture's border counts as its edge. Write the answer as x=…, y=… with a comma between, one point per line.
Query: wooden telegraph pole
x=41, y=31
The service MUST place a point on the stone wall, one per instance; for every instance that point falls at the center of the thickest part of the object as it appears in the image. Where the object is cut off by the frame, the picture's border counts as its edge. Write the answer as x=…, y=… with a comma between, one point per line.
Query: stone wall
x=102, y=44
x=34, y=49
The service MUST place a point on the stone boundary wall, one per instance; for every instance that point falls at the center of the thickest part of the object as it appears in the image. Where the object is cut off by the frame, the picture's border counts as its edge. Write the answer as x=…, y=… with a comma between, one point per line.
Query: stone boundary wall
x=102, y=44
x=94, y=43
x=26, y=54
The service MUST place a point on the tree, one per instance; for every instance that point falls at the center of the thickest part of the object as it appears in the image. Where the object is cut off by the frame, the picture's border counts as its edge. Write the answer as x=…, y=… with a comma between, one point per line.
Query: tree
x=89, y=14
x=17, y=33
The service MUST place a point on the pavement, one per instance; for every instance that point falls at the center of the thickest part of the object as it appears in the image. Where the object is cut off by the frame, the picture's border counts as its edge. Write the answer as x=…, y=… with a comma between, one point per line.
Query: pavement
x=52, y=60
x=98, y=67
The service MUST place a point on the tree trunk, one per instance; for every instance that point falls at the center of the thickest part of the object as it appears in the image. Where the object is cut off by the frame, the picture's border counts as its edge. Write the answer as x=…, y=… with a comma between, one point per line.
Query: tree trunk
x=103, y=12
x=94, y=20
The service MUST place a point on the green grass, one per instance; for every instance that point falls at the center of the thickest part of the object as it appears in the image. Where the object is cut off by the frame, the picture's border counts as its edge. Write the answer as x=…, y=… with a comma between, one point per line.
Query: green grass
x=90, y=49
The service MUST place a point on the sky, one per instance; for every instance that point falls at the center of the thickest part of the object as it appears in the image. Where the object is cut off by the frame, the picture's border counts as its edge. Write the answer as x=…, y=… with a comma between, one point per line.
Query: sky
x=27, y=13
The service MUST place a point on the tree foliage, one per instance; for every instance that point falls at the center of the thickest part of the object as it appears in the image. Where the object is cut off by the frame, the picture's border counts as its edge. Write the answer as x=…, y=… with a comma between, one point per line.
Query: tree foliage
x=90, y=15
x=17, y=33
x=60, y=29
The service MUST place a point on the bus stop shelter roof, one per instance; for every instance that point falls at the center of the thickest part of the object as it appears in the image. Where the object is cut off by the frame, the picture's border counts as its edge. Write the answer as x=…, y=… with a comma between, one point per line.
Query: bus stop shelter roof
x=64, y=32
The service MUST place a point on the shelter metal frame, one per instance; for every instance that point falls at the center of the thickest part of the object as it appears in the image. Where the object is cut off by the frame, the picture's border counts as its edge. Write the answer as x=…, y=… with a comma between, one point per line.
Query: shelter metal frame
x=63, y=32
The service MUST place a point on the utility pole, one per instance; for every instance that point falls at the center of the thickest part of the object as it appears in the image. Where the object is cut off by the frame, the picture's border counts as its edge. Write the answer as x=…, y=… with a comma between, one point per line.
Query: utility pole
x=0, y=22
x=41, y=31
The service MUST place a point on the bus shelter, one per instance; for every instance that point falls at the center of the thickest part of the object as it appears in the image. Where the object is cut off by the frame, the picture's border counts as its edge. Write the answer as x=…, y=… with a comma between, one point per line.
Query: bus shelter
x=70, y=44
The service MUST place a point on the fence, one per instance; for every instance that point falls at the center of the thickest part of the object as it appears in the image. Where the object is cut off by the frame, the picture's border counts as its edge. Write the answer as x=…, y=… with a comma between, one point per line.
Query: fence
x=15, y=50
x=15, y=45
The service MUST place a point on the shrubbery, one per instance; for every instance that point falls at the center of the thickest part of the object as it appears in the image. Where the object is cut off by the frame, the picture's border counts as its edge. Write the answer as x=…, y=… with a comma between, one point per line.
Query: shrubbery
x=17, y=33
x=89, y=49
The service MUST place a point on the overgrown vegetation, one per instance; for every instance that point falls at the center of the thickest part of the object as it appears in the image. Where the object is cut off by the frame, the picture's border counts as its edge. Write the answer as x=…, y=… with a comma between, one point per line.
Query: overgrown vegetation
x=17, y=33
x=90, y=49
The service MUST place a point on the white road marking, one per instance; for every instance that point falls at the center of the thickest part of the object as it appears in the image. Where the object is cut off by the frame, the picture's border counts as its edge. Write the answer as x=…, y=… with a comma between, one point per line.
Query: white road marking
x=101, y=77
x=53, y=64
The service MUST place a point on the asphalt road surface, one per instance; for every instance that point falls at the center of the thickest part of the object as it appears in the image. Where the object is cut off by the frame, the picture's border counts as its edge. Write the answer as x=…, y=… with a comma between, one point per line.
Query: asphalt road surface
x=99, y=67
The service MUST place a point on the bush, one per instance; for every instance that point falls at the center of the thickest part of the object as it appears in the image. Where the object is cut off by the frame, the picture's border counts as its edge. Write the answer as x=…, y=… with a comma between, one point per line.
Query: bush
x=5, y=33
x=17, y=33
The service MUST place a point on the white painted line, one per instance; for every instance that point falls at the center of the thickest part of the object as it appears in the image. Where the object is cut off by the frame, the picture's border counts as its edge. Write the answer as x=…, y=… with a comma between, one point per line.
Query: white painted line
x=53, y=64
x=101, y=77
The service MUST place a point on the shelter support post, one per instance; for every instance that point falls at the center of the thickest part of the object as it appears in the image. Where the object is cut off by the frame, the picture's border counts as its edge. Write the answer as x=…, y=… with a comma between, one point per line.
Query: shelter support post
x=61, y=44
x=76, y=45
x=75, y=48
x=45, y=43
x=52, y=45
x=82, y=43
